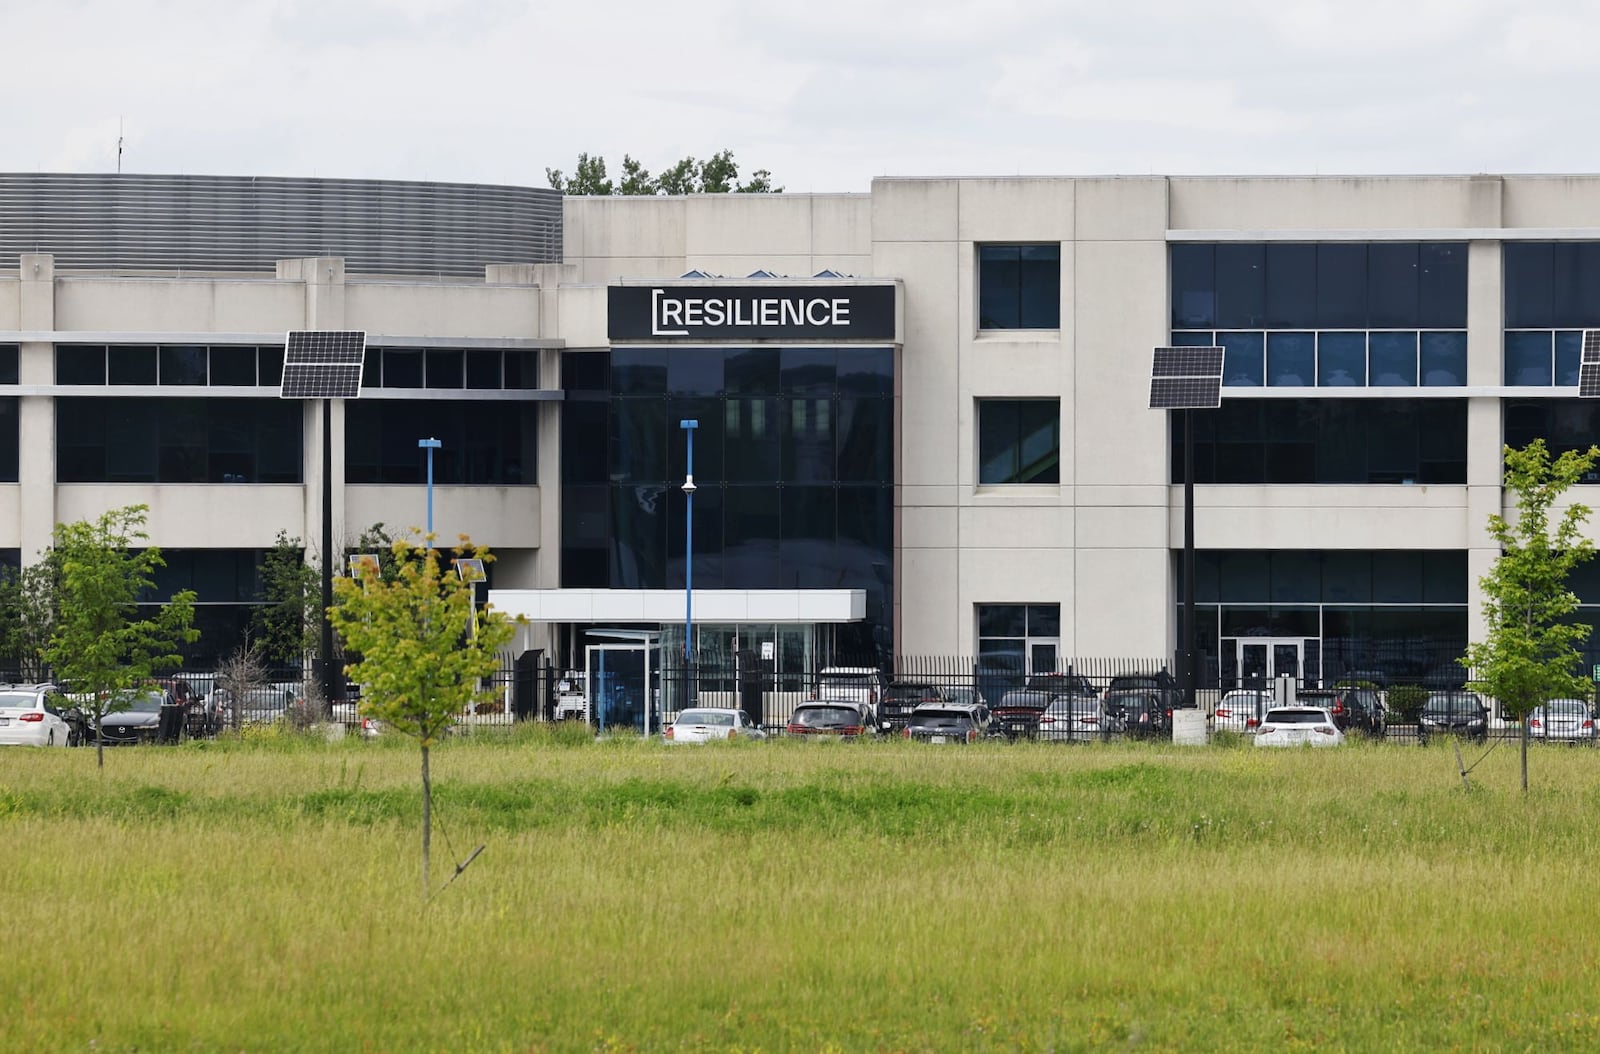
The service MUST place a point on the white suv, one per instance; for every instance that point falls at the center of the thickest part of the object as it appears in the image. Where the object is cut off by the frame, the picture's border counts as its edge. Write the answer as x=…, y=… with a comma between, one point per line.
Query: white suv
x=858, y=684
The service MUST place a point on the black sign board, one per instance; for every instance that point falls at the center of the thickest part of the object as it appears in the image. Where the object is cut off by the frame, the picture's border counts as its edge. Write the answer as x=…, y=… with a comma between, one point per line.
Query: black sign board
x=750, y=312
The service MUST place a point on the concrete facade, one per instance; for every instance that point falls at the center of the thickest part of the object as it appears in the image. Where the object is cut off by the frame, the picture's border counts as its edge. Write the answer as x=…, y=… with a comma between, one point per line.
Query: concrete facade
x=1099, y=543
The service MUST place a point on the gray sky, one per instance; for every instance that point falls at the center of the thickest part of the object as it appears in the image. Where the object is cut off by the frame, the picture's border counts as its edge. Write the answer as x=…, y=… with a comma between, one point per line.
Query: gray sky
x=824, y=93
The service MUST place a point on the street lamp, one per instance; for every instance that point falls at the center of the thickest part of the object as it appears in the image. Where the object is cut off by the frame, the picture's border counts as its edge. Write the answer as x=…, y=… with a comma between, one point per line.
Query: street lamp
x=430, y=445
x=688, y=427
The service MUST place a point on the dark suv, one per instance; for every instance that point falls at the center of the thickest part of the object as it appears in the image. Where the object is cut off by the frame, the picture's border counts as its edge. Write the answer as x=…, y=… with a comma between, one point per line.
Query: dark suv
x=1160, y=681
x=1353, y=709
x=1143, y=713
x=950, y=723
x=903, y=697
x=1453, y=713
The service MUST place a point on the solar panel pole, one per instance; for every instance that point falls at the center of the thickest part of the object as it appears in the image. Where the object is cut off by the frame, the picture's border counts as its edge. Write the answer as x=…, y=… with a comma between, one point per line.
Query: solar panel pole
x=1187, y=674
x=327, y=551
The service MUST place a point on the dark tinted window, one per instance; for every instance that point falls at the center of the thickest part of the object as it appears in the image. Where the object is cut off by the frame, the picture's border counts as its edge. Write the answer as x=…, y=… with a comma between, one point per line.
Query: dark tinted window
x=233, y=365
x=1019, y=286
x=1291, y=286
x=80, y=364
x=183, y=364
x=402, y=368
x=1194, y=286
x=444, y=369
x=1019, y=441
x=480, y=442
x=131, y=364
x=178, y=441
x=1241, y=285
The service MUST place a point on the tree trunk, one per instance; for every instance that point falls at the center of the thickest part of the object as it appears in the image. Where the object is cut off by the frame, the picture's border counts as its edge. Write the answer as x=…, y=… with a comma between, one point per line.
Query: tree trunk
x=427, y=820
x=99, y=746
x=1525, y=754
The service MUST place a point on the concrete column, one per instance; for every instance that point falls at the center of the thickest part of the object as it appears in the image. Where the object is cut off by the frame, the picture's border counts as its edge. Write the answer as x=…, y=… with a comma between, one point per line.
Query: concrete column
x=36, y=418
x=1485, y=433
x=322, y=278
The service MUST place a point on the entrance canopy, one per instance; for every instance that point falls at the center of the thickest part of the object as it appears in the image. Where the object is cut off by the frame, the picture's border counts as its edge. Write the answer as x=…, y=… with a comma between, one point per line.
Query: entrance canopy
x=613, y=606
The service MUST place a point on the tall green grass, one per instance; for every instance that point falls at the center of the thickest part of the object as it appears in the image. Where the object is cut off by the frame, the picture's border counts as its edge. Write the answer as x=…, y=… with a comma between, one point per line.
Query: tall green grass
x=797, y=896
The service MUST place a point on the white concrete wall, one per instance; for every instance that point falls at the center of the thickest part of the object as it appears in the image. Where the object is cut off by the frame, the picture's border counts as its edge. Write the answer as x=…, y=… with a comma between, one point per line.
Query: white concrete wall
x=166, y=305
x=493, y=516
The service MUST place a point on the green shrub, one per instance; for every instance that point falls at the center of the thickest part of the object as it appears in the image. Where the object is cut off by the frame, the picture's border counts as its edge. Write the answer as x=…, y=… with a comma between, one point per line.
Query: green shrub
x=1405, y=701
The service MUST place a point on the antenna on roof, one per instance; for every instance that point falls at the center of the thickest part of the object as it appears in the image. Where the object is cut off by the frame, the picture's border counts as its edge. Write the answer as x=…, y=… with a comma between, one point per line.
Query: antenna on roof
x=119, y=146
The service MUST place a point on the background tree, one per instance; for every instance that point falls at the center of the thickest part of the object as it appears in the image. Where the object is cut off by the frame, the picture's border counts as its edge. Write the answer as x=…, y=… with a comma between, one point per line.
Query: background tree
x=98, y=646
x=285, y=625
x=243, y=671
x=590, y=177
x=1530, y=653
x=28, y=607
x=425, y=651
x=718, y=174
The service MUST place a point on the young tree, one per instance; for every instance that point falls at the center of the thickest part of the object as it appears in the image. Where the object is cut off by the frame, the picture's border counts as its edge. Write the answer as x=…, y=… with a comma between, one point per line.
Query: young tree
x=636, y=179
x=718, y=174
x=1530, y=653
x=285, y=626
x=590, y=177
x=28, y=607
x=425, y=651
x=98, y=645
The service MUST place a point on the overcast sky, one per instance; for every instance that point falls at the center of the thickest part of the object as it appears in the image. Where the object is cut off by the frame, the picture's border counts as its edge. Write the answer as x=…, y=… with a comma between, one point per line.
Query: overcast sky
x=825, y=93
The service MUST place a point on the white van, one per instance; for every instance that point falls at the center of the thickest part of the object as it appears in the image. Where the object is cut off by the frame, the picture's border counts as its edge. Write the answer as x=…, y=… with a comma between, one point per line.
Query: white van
x=859, y=684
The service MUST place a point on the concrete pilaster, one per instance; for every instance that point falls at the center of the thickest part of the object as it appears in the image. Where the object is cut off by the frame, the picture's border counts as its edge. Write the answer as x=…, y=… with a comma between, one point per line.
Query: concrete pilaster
x=36, y=418
x=322, y=278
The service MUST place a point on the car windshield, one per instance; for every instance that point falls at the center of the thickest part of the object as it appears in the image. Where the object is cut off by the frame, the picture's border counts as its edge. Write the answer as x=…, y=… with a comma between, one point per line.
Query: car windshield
x=847, y=680
x=147, y=703
x=1295, y=717
x=1451, y=703
x=826, y=716
x=717, y=718
x=941, y=719
x=1136, y=701
x=17, y=700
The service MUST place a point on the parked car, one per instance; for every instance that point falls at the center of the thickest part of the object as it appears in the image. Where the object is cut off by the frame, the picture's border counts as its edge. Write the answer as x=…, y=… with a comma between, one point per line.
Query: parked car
x=259, y=706
x=1453, y=713
x=1159, y=681
x=863, y=684
x=845, y=718
x=1564, y=720
x=1353, y=709
x=704, y=724
x=950, y=723
x=900, y=698
x=1144, y=714
x=36, y=715
x=1298, y=726
x=1077, y=717
x=1241, y=710
x=139, y=721
x=1020, y=711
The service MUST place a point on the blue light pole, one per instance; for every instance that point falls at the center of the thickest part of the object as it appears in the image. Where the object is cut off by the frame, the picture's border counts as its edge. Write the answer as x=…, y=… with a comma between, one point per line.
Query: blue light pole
x=688, y=553
x=430, y=445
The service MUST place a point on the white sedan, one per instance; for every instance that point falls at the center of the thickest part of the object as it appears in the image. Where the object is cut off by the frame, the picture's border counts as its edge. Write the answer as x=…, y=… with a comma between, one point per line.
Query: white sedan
x=26, y=719
x=1240, y=710
x=1298, y=726
x=703, y=724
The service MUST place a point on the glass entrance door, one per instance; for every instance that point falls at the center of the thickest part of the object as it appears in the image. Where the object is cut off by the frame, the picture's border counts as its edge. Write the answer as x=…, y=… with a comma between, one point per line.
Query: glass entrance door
x=1261, y=660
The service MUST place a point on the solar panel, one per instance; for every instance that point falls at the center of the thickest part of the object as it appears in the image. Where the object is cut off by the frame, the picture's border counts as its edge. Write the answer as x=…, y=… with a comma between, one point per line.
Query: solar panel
x=1591, y=345
x=323, y=364
x=1589, y=380
x=1187, y=362
x=1186, y=378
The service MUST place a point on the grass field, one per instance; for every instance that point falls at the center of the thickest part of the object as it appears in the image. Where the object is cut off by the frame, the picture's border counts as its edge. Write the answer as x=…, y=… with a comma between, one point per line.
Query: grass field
x=780, y=896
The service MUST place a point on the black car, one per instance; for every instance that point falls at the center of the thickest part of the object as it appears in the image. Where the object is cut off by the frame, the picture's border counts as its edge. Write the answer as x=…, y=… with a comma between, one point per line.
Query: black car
x=1353, y=709
x=1159, y=681
x=900, y=698
x=1453, y=713
x=951, y=723
x=1142, y=714
x=140, y=721
x=1019, y=710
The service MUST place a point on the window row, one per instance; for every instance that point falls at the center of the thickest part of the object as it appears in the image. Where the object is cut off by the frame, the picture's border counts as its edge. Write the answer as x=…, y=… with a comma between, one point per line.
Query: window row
x=261, y=441
x=1337, y=359
x=1564, y=424
x=1329, y=285
x=10, y=357
x=178, y=441
x=481, y=442
x=450, y=368
x=1309, y=576
x=1543, y=357
x=809, y=372
x=745, y=537
x=1328, y=441
x=1552, y=285
x=199, y=365
x=235, y=365
x=738, y=440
